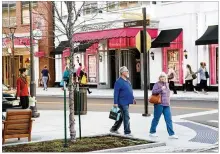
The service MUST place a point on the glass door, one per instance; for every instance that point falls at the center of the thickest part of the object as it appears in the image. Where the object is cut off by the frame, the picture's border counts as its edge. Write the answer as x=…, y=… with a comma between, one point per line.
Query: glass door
x=173, y=59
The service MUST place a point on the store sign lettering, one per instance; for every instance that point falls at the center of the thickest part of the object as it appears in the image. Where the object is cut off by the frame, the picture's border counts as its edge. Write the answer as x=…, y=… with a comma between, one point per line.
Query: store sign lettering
x=18, y=41
x=96, y=27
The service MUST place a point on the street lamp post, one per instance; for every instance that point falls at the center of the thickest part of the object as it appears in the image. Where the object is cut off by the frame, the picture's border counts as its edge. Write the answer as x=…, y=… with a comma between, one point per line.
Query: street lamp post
x=32, y=84
x=12, y=32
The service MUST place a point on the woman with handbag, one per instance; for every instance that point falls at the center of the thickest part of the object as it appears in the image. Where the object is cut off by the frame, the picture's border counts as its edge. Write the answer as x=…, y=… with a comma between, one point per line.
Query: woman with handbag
x=204, y=75
x=190, y=76
x=22, y=89
x=162, y=107
x=171, y=79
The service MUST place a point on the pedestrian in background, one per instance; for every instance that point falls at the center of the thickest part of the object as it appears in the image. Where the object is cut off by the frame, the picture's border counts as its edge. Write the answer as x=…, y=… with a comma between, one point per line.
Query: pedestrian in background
x=78, y=70
x=45, y=77
x=162, y=88
x=172, y=79
x=66, y=75
x=203, y=77
x=22, y=89
x=189, y=79
x=123, y=97
x=83, y=80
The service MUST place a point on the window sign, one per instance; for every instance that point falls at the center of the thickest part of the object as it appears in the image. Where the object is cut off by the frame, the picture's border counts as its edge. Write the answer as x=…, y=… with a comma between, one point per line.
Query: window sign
x=92, y=68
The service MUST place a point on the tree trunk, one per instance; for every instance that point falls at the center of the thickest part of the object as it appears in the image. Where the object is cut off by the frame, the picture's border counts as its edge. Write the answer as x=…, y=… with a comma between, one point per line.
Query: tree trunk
x=71, y=88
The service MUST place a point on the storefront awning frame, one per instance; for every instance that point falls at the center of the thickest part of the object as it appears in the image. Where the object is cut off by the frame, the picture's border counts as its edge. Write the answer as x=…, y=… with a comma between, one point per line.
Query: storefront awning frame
x=209, y=37
x=166, y=37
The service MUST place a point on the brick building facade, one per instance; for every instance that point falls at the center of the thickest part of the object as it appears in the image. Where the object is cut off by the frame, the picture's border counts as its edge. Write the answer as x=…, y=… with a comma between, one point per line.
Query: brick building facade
x=16, y=14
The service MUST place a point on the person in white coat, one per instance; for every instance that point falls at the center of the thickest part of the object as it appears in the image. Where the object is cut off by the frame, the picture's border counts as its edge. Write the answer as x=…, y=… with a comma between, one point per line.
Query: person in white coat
x=189, y=80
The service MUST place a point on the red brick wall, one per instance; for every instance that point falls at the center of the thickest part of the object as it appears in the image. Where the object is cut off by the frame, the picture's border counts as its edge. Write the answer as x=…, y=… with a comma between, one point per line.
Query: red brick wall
x=47, y=43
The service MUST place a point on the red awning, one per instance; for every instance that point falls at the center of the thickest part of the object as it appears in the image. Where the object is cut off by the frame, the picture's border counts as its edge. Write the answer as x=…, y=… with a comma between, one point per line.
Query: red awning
x=66, y=52
x=39, y=54
x=111, y=33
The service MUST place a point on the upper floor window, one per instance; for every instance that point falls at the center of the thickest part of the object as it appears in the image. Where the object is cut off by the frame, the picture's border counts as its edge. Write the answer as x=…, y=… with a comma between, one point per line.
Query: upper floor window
x=90, y=8
x=8, y=13
x=122, y=5
x=25, y=11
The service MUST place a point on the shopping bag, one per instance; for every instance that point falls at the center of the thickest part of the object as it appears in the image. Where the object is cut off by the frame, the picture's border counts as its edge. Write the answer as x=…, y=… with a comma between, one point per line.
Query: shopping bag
x=206, y=74
x=62, y=83
x=115, y=113
x=32, y=101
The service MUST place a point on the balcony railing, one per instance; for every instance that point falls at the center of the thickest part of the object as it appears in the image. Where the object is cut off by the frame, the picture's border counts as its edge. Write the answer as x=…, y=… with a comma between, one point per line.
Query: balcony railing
x=5, y=22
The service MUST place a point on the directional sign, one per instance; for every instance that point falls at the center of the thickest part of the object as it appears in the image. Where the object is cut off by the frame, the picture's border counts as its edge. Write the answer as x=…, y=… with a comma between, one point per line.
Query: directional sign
x=136, y=23
x=139, y=40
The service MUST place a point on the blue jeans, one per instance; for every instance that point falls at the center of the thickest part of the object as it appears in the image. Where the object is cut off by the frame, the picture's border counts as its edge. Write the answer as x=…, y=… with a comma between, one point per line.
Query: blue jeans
x=45, y=78
x=125, y=118
x=158, y=110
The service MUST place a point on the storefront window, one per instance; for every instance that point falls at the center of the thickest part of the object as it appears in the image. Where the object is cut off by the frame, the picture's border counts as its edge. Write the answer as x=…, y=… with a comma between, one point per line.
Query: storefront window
x=173, y=59
x=90, y=8
x=92, y=68
x=8, y=13
x=25, y=11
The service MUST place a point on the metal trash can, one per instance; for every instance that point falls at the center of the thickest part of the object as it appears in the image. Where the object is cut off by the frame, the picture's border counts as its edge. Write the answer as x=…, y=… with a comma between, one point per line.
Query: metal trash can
x=80, y=101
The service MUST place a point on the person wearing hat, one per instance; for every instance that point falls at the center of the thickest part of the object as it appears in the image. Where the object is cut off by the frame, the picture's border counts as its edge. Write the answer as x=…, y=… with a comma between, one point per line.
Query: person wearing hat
x=162, y=88
x=123, y=97
x=22, y=89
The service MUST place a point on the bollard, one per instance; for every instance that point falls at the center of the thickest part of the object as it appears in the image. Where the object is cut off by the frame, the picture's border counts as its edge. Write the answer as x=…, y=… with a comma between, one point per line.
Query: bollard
x=65, y=132
x=79, y=108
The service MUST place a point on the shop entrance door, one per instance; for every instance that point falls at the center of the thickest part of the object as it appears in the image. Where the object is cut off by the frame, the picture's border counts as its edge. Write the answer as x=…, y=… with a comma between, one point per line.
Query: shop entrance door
x=173, y=59
x=112, y=68
x=6, y=69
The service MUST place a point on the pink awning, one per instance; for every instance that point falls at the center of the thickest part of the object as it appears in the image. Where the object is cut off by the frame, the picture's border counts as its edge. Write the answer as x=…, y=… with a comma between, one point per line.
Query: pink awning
x=111, y=33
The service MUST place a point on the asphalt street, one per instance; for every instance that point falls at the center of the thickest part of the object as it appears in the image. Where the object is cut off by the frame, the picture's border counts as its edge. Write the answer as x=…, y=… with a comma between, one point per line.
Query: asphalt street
x=177, y=107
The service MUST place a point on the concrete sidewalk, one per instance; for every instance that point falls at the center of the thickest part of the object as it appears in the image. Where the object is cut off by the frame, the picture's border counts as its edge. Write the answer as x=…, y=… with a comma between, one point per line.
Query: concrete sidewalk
x=96, y=123
x=139, y=94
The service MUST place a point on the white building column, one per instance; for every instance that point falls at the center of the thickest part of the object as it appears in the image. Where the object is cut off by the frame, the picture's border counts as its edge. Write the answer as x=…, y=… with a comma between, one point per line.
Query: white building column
x=36, y=65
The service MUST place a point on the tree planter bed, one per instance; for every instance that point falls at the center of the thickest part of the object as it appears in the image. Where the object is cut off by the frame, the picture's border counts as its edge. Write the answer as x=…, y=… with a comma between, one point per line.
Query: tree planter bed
x=86, y=144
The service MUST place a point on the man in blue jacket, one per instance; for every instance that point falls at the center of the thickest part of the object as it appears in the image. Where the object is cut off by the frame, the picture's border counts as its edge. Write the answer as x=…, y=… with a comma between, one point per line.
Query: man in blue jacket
x=123, y=96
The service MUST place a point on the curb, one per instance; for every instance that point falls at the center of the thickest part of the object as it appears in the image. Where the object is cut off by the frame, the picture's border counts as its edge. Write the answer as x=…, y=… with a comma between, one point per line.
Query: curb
x=131, y=148
x=142, y=98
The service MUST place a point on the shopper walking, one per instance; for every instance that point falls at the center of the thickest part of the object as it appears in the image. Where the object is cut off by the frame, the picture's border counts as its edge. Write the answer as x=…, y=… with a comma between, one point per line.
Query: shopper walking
x=161, y=88
x=22, y=89
x=83, y=80
x=172, y=79
x=203, y=77
x=189, y=79
x=123, y=97
x=66, y=76
x=78, y=70
x=45, y=76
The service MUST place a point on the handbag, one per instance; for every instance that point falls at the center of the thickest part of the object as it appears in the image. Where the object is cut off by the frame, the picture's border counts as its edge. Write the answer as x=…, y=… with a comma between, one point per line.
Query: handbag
x=206, y=74
x=62, y=83
x=155, y=99
x=171, y=76
x=114, y=113
x=83, y=80
x=194, y=76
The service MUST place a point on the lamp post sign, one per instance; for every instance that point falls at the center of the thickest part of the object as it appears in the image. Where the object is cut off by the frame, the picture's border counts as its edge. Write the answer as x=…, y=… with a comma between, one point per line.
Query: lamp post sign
x=136, y=23
x=143, y=44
